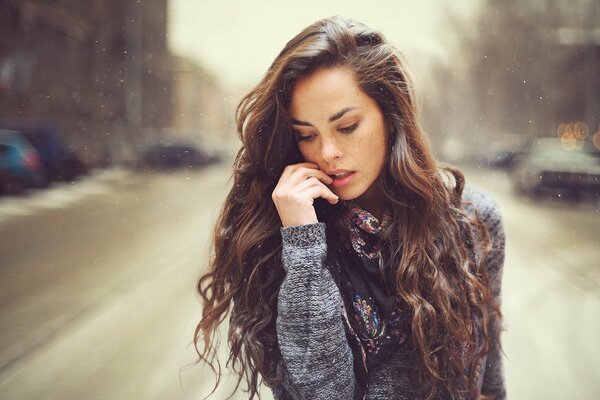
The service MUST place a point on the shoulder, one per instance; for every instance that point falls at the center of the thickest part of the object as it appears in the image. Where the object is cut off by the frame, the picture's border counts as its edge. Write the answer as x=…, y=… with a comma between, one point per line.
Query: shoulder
x=479, y=202
x=474, y=200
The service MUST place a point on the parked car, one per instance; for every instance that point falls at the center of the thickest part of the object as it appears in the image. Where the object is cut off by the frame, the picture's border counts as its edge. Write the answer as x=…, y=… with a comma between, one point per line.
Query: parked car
x=60, y=163
x=20, y=165
x=501, y=152
x=546, y=167
x=176, y=155
x=504, y=160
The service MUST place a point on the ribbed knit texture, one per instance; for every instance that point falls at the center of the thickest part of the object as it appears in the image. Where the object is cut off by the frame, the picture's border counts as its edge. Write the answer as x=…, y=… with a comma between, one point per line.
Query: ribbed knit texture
x=317, y=360
x=309, y=326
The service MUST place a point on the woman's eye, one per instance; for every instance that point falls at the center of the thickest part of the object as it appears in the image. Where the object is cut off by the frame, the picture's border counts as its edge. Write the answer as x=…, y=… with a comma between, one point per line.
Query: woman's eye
x=348, y=129
x=304, y=138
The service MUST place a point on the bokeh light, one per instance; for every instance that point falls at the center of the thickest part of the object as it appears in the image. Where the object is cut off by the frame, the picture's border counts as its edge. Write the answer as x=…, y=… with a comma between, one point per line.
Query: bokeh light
x=572, y=135
x=596, y=138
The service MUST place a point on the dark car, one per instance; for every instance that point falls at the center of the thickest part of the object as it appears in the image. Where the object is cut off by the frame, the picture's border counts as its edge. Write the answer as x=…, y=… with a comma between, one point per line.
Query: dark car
x=20, y=165
x=548, y=167
x=175, y=155
x=501, y=152
x=60, y=163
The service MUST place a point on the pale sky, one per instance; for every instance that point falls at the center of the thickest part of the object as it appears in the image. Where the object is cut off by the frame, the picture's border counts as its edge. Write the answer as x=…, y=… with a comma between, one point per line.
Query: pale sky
x=237, y=40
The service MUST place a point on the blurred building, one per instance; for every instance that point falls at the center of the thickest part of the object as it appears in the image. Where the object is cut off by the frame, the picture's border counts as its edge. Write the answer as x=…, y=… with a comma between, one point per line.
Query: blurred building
x=526, y=70
x=577, y=77
x=98, y=69
x=199, y=104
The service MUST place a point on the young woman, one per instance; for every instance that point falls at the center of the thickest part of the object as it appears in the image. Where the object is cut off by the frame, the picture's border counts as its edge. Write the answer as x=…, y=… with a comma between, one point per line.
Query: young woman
x=352, y=265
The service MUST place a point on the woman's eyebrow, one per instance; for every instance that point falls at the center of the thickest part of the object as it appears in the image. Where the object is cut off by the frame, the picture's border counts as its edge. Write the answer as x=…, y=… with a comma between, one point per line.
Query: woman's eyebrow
x=334, y=117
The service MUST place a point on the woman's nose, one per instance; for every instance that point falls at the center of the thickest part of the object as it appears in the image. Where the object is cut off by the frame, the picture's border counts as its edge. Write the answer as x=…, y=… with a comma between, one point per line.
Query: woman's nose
x=330, y=150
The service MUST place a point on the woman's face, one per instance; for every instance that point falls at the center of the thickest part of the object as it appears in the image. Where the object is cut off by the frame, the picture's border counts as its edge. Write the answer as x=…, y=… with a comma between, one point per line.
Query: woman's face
x=342, y=130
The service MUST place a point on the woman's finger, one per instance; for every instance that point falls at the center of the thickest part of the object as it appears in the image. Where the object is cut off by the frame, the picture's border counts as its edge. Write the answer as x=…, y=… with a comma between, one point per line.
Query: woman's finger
x=308, y=183
x=303, y=173
x=290, y=169
x=298, y=187
x=322, y=191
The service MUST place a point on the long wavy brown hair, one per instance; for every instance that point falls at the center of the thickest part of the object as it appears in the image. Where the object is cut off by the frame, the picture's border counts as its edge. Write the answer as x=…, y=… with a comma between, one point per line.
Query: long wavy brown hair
x=435, y=272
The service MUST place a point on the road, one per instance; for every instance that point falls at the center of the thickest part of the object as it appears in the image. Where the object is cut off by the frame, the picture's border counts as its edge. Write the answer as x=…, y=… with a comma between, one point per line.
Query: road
x=551, y=294
x=98, y=287
x=97, y=296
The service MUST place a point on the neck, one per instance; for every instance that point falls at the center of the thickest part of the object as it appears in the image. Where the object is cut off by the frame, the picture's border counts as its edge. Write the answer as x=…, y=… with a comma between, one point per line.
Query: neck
x=373, y=200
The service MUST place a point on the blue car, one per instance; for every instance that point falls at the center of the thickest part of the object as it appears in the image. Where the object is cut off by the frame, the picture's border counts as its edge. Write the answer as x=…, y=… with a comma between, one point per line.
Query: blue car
x=58, y=161
x=20, y=165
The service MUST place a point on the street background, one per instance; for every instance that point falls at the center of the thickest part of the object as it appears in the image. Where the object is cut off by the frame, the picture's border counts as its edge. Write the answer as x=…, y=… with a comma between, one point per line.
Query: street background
x=98, y=301
x=98, y=271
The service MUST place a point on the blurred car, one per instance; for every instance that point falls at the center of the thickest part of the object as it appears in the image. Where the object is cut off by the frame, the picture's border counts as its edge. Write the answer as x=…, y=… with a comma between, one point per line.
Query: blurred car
x=500, y=152
x=546, y=166
x=20, y=165
x=505, y=160
x=176, y=155
x=60, y=163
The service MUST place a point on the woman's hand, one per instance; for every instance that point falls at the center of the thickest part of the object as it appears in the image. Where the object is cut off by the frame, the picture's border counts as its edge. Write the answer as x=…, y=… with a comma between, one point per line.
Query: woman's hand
x=298, y=187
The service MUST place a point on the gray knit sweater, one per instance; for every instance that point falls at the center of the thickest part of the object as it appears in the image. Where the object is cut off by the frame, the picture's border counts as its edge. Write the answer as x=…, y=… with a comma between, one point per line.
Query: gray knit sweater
x=317, y=359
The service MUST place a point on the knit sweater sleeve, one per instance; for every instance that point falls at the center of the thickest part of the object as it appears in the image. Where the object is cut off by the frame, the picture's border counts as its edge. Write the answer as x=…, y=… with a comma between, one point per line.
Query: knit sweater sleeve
x=488, y=210
x=317, y=358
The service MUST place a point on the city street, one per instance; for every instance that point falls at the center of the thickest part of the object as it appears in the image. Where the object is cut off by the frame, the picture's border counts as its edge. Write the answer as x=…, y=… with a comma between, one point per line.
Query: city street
x=98, y=300
x=551, y=294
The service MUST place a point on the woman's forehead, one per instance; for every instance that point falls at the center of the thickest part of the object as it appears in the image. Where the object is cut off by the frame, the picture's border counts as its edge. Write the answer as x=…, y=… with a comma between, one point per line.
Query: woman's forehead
x=326, y=92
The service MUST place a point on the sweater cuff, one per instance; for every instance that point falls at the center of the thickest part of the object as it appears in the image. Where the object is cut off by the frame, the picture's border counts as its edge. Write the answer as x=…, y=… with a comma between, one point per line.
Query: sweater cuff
x=303, y=236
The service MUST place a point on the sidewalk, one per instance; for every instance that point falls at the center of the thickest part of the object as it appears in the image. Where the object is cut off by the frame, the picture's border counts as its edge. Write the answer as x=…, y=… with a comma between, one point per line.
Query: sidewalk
x=62, y=194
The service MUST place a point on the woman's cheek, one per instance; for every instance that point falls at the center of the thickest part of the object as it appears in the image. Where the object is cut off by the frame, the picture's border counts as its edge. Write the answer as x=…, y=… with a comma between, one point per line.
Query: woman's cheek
x=306, y=154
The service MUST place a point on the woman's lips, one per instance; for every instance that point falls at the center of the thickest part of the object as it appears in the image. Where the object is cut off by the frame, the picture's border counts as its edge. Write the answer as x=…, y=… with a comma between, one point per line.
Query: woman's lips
x=342, y=179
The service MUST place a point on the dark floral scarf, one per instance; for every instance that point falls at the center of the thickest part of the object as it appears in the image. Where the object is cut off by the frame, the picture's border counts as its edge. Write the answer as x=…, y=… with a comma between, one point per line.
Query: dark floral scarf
x=376, y=316
x=378, y=321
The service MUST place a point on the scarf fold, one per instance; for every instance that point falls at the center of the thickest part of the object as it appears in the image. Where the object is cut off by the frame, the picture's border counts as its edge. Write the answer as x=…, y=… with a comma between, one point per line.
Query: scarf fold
x=377, y=317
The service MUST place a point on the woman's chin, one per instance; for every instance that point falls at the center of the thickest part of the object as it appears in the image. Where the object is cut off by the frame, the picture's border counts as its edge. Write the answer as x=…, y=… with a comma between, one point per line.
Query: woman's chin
x=346, y=196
